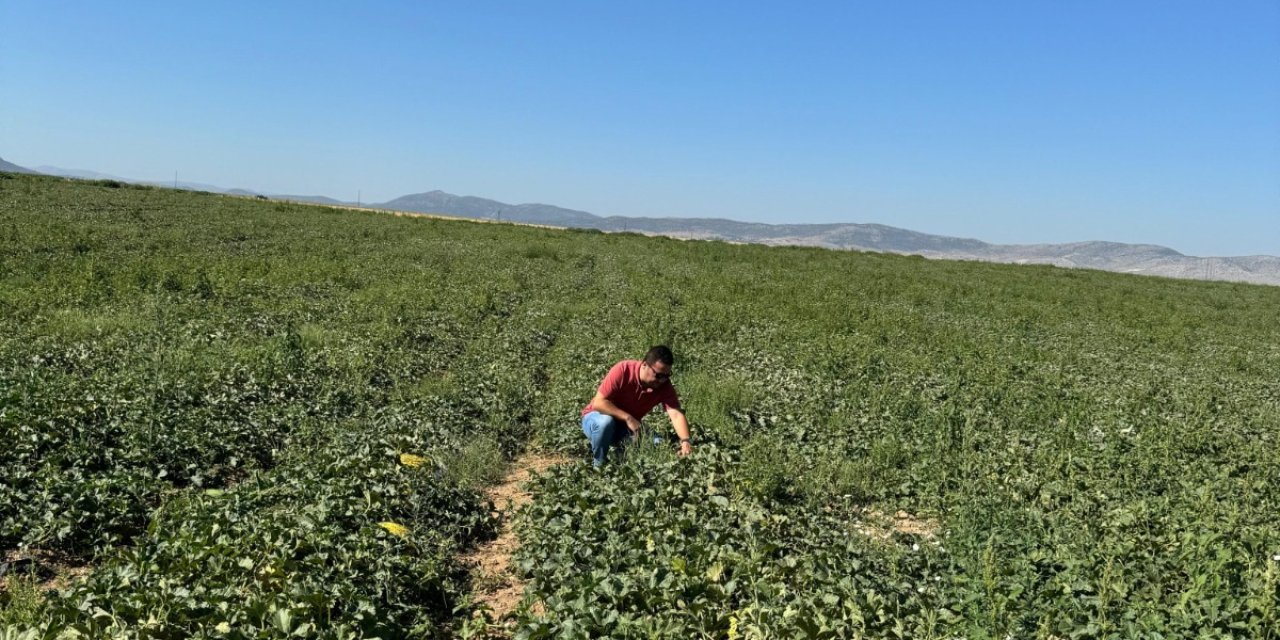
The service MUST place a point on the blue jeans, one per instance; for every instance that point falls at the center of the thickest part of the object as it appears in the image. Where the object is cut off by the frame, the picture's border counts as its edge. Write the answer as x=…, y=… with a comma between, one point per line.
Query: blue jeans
x=604, y=432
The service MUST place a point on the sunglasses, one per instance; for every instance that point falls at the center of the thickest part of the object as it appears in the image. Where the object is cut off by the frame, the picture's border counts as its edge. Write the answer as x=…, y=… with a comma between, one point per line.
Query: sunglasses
x=657, y=374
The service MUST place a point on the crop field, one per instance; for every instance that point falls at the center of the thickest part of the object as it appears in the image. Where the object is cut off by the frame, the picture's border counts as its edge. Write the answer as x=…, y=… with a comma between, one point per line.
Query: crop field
x=229, y=418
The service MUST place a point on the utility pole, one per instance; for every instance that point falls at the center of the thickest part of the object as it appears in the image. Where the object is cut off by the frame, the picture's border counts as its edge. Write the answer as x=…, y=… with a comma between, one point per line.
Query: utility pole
x=358, y=194
x=175, y=178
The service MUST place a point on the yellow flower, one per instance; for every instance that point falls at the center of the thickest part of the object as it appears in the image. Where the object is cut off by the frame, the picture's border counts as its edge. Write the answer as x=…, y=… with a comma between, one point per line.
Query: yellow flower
x=733, y=627
x=410, y=460
x=395, y=529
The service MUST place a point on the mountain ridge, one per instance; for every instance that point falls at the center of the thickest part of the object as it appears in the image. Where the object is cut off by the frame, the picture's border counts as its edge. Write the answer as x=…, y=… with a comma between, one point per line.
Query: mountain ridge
x=13, y=168
x=1143, y=259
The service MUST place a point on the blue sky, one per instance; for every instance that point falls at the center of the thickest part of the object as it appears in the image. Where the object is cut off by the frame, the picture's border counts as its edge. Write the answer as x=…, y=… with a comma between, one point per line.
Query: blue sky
x=1005, y=121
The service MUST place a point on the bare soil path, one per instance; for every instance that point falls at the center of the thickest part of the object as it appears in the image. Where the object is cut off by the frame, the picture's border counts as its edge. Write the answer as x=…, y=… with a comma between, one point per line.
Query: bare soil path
x=496, y=585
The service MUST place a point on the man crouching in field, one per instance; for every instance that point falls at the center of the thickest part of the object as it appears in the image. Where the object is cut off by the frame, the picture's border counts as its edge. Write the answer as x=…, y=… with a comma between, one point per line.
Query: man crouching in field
x=629, y=391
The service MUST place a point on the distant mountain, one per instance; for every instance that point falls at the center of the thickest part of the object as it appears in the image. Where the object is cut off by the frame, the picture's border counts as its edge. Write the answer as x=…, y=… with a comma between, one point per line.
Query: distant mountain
x=13, y=168
x=1142, y=259
x=473, y=207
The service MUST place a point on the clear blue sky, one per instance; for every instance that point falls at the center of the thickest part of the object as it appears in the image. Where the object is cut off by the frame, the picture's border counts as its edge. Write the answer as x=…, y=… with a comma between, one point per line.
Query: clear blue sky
x=1006, y=121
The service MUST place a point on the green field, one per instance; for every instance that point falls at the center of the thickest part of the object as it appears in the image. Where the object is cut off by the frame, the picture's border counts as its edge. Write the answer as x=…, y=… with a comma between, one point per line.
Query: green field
x=204, y=400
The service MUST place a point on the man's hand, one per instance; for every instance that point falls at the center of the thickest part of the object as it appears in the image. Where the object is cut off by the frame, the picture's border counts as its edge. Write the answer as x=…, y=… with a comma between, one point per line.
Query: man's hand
x=634, y=425
x=681, y=425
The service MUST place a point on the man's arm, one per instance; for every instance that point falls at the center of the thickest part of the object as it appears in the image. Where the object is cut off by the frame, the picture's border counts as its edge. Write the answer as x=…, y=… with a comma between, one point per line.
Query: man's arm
x=682, y=429
x=603, y=405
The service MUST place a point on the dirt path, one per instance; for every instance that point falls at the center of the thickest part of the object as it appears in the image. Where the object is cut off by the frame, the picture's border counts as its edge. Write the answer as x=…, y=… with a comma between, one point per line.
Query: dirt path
x=496, y=585
x=49, y=570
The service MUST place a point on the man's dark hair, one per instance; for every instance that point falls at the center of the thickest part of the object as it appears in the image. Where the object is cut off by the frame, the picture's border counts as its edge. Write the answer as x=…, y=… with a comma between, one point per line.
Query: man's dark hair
x=661, y=353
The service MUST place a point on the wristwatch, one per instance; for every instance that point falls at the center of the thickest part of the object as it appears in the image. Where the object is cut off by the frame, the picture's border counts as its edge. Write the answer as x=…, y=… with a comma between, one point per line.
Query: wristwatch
x=685, y=441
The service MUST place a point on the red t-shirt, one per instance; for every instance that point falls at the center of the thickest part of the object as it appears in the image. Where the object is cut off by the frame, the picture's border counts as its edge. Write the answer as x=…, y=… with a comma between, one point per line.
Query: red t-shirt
x=622, y=387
